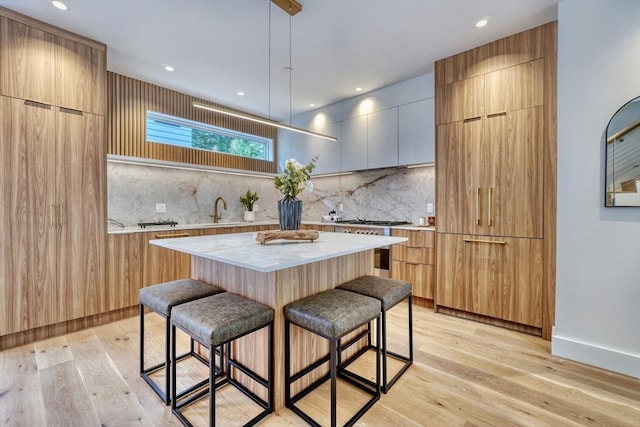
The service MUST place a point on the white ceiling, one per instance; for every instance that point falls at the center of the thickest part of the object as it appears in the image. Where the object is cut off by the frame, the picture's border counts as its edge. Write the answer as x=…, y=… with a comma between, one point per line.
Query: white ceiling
x=220, y=47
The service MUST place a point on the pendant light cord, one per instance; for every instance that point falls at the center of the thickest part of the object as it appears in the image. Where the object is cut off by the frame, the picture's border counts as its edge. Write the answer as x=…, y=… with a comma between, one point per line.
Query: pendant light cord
x=290, y=73
x=269, y=66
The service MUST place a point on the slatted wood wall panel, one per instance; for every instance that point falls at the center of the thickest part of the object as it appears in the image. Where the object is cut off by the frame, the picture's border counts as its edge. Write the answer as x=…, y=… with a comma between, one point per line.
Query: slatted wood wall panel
x=128, y=101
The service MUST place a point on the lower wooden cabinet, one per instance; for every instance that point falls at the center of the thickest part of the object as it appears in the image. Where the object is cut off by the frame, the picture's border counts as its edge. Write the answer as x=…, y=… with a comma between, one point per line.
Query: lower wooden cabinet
x=498, y=277
x=133, y=263
x=413, y=260
x=124, y=272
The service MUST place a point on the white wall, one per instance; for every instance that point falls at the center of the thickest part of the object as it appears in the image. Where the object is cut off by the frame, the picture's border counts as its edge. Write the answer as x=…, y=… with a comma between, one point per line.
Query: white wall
x=598, y=252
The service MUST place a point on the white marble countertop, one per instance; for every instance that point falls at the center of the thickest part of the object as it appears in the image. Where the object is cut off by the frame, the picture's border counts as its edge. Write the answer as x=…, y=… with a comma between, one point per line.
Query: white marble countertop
x=242, y=250
x=167, y=228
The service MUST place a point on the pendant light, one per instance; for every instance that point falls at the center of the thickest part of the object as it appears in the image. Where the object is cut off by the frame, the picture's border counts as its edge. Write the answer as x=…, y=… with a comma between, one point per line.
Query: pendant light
x=263, y=120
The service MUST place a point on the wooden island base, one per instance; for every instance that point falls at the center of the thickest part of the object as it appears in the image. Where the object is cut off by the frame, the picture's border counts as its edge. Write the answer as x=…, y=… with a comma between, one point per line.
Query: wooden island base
x=276, y=289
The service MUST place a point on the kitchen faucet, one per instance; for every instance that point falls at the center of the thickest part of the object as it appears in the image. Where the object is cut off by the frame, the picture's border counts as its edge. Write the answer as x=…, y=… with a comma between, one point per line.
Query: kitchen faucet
x=218, y=216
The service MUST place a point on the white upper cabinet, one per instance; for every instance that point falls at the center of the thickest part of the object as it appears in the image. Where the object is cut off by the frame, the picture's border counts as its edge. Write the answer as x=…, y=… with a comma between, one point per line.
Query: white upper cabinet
x=390, y=126
x=416, y=132
x=382, y=130
x=305, y=147
x=353, y=142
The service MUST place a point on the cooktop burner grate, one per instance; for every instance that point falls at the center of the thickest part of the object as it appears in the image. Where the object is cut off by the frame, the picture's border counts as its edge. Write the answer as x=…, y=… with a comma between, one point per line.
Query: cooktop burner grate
x=151, y=223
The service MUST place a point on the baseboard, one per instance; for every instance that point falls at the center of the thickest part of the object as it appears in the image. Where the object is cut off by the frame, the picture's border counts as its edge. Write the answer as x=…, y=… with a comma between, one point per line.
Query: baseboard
x=50, y=331
x=590, y=354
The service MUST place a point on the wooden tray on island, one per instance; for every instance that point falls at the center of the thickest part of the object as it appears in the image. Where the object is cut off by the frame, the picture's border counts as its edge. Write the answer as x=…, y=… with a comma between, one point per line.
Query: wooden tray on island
x=300, y=235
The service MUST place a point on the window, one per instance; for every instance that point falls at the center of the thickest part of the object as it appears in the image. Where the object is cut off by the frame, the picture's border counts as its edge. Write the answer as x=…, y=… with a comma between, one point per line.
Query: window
x=172, y=130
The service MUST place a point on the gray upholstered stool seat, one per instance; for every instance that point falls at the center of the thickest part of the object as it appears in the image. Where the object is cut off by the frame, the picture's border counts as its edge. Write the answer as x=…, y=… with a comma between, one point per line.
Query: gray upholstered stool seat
x=216, y=321
x=331, y=314
x=389, y=292
x=161, y=298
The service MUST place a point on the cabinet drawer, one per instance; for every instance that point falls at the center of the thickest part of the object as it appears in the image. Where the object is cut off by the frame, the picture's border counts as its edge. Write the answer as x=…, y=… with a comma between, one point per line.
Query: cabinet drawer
x=420, y=276
x=412, y=254
x=422, y=239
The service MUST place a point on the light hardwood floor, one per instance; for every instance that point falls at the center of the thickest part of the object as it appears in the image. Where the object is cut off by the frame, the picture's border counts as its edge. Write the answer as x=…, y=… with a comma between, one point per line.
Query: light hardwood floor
x=465, y=374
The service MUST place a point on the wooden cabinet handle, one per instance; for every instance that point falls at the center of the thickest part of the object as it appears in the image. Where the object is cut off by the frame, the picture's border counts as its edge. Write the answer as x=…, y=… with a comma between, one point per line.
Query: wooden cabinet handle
x=494, y=242
x=490, y=214
x=478, y=206
x=168, y=236
x=502, y=113
x=472, y=119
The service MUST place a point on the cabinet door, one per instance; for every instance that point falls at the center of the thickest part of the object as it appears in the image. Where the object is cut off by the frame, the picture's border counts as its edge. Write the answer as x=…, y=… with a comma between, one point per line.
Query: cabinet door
x=513, y=168
x=416, y=132
x=163, y=265
x=353, y=144
x=80, y=73
x=515, y=88
x=124, y=270
x=382, y=139
x=27, y=239
x=495, y=277
x=26, y=62
x=305, y=147
x=81, y=187
x=458, y=186
x=419, y=275
x=460, y=100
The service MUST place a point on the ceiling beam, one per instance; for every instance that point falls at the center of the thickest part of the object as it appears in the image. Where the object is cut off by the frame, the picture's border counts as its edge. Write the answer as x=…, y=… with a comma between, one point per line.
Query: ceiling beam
x=290, y=6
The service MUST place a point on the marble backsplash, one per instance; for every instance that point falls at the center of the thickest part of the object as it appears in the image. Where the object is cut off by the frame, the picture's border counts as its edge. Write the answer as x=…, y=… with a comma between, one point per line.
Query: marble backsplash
x=398, y=194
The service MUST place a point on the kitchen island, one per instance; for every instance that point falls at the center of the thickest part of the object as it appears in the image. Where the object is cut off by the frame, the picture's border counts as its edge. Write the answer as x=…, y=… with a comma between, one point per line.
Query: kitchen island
x=276, y=274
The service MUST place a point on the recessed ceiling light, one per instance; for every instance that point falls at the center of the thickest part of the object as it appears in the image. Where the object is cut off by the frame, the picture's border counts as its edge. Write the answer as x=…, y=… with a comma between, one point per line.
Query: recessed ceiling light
x=358, y=89
x=169, y=68
x=59, y=5
x=312, y=105
x=241, y=93
x=481, y=23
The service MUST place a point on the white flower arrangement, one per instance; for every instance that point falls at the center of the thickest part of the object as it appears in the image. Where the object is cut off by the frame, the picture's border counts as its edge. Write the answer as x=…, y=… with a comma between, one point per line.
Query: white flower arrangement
x=294, y=178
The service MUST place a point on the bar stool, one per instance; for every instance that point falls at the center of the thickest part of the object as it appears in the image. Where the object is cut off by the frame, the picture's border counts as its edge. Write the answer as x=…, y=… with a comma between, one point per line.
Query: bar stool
x=389, y=292
x=160, y=299
x=217, y=321
x=330, y=314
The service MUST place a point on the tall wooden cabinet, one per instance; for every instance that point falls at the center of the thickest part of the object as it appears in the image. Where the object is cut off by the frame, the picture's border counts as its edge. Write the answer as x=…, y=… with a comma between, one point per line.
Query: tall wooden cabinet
x=495, y=189
x=52, y=160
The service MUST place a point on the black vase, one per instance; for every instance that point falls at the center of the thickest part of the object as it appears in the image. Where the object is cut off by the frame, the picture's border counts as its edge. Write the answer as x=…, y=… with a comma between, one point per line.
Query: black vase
x=290, y=213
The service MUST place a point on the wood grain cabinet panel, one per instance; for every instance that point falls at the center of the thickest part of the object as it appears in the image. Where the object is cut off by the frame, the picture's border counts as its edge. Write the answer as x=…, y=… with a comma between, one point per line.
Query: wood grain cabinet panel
x=460, y=100
x=514, y=88
x=124, y=270
x=495, y=180
x=80, y=186
x=26, y=62
x=163, y=265
x=53, y=192
x=80, y=76
x=494, y=277
x=27, y=239
x=413, y=260
x=512, y=184
x=42, y=67
x=54, y=184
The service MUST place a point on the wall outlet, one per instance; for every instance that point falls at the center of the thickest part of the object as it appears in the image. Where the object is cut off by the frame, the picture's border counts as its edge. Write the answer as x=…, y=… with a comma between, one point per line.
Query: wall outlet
x=340, y=207
x=429, y=207
x=161, y=207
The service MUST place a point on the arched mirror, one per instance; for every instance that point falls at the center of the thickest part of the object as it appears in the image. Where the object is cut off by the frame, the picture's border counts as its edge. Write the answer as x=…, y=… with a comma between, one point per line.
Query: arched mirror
x=623, y=156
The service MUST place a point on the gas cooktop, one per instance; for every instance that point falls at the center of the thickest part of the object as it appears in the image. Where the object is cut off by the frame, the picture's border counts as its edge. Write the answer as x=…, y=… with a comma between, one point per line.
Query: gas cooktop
x=359, y=221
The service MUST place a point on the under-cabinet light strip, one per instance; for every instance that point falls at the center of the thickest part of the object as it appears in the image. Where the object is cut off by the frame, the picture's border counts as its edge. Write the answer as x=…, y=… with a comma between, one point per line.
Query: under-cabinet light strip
x=262, y=120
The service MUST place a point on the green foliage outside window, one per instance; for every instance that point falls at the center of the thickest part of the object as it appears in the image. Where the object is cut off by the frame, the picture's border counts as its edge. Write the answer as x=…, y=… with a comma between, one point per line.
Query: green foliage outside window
x=227, y=144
